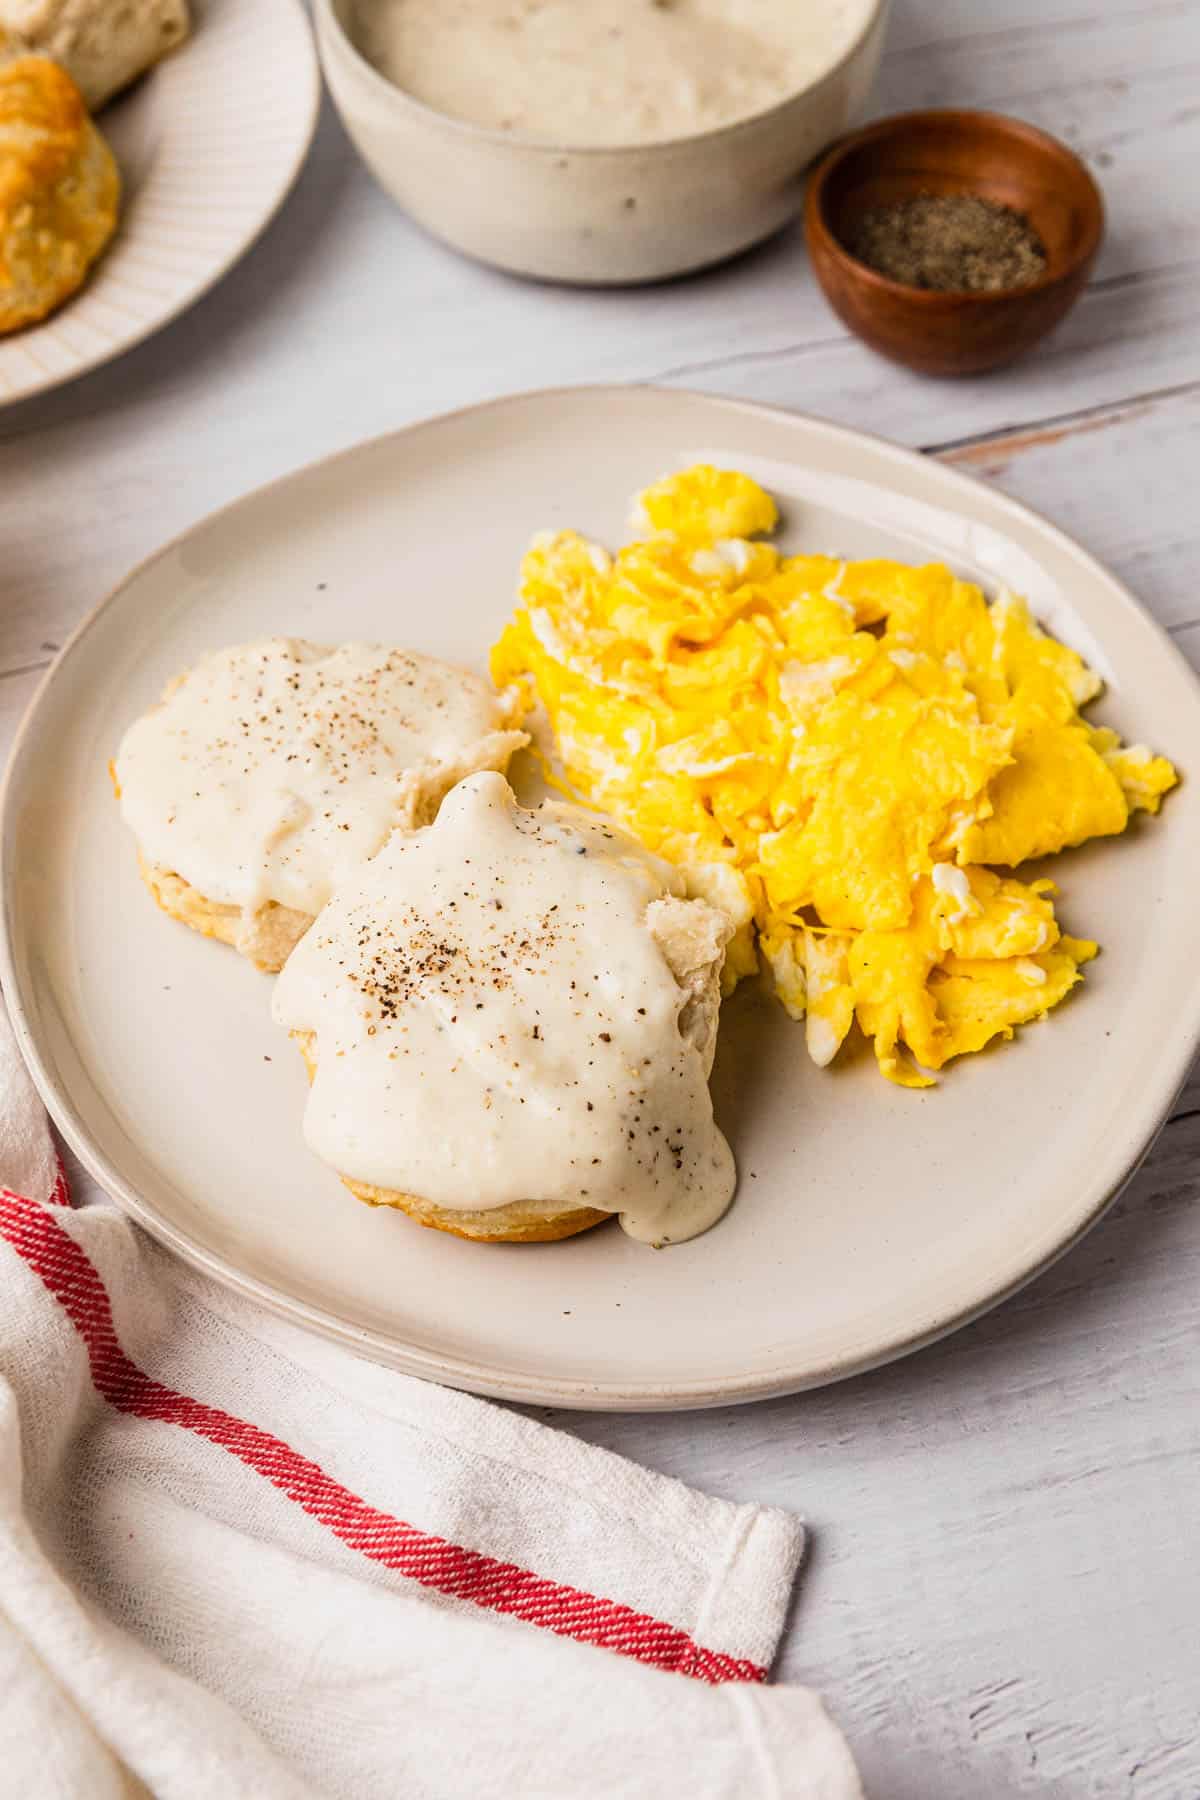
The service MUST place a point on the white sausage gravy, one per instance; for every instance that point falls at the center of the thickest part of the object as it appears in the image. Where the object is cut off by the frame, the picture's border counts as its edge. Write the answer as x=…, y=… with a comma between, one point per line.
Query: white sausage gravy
x=517, y=1005
x=603, y=72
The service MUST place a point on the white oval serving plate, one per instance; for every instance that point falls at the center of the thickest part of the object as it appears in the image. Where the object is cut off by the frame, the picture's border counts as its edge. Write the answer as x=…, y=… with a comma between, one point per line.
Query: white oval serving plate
x=209, y=144
x=868, y=1220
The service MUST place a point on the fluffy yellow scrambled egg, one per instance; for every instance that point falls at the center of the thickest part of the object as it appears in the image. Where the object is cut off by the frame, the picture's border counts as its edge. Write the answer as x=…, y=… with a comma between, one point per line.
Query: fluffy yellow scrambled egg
x=835, y=752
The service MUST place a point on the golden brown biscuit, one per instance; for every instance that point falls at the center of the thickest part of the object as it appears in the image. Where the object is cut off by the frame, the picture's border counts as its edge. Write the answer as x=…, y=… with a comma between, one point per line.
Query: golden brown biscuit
x=59, y=190
x=521, y=1222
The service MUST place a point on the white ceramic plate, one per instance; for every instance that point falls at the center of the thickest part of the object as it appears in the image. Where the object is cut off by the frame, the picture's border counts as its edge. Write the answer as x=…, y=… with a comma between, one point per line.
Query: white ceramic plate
x=209, y=144
x=868, y=1220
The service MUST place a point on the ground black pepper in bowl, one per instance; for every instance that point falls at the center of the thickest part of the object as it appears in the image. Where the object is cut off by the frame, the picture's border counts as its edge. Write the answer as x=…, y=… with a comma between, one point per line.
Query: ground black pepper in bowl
x=962, y=243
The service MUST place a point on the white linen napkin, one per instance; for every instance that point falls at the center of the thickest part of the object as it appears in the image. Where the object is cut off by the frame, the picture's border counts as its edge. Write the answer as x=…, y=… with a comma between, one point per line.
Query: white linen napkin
x=238, y=1561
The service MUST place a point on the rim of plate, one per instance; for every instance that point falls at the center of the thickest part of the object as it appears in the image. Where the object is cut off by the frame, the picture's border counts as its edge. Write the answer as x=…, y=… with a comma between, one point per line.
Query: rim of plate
x=81, y=336
x=1104, y=1188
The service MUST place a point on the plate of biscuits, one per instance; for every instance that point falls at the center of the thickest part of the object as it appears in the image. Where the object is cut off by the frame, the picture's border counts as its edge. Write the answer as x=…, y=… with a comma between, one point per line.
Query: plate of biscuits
x=612, y=897
x=141, y=154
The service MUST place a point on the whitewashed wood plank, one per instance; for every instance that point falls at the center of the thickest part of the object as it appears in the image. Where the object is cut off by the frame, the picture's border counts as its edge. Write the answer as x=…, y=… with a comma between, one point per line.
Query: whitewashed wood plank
x=1123, y=481
x=1025, y=26
x=1125, y=338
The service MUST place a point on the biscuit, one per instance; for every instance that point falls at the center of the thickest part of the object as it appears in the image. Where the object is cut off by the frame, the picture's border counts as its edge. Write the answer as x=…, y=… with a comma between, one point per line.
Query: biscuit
x=59, y=190
x=102, y=45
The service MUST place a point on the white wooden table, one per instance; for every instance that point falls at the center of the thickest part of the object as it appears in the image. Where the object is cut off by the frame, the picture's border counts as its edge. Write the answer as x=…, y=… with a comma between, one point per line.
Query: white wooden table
x=1003, y=1596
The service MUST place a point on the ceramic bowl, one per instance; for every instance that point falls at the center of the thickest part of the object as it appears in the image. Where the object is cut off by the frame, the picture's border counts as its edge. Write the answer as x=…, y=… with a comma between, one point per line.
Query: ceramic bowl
x=951, y=152
x=593, y=216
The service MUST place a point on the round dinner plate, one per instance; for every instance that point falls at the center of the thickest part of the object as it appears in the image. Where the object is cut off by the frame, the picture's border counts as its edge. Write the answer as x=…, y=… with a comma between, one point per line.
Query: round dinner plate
x=208, y=143
x=868, y=1220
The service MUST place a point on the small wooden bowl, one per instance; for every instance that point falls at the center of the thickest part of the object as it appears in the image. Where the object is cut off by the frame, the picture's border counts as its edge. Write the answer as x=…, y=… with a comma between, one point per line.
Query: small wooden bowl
x=953, y=153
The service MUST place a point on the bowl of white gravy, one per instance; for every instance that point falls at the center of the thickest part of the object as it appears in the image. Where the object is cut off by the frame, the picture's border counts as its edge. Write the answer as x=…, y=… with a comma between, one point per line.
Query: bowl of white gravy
x=598, y=141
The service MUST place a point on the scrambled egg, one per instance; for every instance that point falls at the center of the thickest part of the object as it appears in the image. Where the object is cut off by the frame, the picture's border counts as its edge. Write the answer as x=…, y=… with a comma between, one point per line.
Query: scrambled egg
x=840, y=754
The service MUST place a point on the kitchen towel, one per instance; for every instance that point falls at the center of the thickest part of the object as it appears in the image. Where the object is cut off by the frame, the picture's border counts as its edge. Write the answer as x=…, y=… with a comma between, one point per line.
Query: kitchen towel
x=238, y=1561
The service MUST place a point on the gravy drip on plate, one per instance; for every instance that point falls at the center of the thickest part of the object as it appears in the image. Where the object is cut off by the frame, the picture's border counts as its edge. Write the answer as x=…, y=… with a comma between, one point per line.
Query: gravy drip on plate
x=272, y=770
x=497, y=1020
x=603, y=72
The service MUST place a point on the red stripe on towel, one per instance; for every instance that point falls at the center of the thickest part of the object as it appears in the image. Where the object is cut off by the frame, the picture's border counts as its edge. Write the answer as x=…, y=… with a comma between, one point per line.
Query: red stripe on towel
x=448, y=1568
